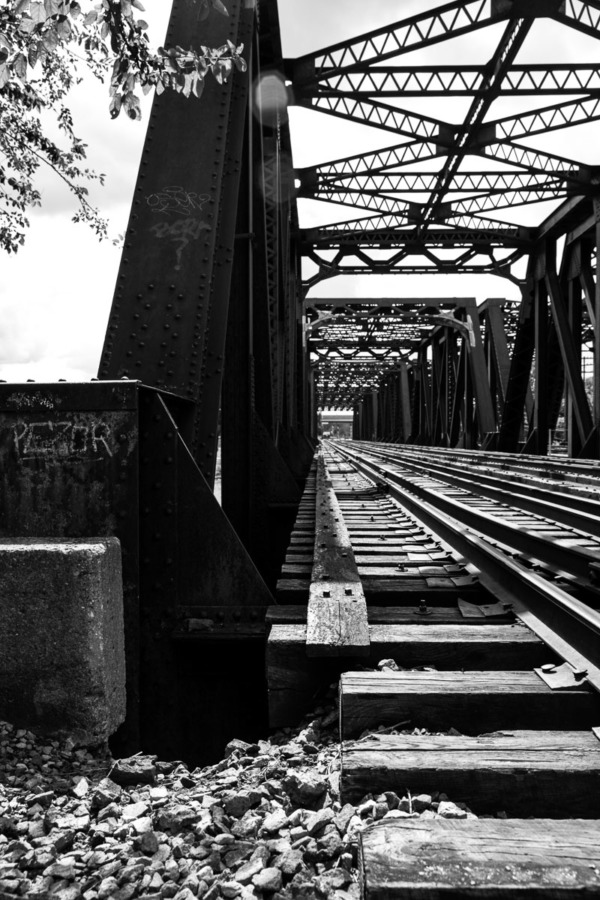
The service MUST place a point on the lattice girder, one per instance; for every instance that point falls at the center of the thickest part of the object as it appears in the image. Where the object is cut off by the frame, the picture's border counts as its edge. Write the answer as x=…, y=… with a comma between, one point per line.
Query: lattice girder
x=363, y=80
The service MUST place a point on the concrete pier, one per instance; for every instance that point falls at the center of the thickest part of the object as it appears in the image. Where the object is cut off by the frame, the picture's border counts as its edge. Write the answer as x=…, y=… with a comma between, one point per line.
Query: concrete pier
x=62, y=657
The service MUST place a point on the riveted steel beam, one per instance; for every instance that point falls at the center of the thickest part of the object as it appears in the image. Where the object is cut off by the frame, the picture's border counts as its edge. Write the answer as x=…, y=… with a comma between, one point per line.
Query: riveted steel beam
x=166, y=326
x=454, y=81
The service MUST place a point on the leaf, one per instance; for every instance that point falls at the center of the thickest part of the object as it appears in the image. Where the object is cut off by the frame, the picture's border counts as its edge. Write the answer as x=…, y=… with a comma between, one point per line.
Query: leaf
x=90, y=18
x=115, y=106
x=198, y=87
x=38, y=13
x=138, y=5
x=4, y=75
x=222, y=70
x=50, y=40
x=4, y=42
x=75, y=9
x=131, y=105
x=19, y=66
x=63, y=29
x=42, y=53
x=26, y=25
x=53, y=7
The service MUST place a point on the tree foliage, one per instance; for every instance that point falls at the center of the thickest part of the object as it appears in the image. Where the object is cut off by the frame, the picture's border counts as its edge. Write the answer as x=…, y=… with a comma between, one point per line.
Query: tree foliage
x=44, y=45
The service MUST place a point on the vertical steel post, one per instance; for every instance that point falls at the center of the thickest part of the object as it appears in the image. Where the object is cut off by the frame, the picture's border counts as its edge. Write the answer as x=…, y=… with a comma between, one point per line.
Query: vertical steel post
x=170, y=304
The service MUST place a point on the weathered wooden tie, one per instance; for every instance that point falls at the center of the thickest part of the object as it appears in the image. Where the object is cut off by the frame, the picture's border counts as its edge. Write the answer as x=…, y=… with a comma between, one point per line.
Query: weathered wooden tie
x=337, y=611
x=471, y=702
x=485, y=858
x=541, y=773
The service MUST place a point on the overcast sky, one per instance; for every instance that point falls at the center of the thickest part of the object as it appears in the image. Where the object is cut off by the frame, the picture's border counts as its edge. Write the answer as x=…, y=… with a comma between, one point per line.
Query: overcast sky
x=55, y=294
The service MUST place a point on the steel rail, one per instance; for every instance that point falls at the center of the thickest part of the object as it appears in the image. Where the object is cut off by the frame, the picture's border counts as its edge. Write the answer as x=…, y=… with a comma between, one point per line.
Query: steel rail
x=569, y=627
x=567, y=468
x=574, y=559
x=583, y=496
x=543, y=503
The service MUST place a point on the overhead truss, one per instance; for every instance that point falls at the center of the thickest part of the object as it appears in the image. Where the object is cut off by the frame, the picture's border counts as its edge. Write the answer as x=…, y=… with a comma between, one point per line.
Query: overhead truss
x=468, y=170
x=460, y=196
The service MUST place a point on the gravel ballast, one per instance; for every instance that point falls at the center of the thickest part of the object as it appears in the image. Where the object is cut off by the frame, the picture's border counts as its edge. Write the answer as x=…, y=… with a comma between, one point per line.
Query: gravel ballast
x=265, y=821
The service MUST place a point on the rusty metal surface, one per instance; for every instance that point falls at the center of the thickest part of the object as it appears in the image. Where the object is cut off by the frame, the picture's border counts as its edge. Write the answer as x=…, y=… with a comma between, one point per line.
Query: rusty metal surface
x=69, y=468
x=190, y=557
x=68, y=456
x=169, y=313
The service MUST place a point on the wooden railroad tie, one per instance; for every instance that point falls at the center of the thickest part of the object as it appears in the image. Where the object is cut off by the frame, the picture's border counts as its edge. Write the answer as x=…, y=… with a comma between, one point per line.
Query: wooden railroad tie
x=472, y=702
x=337, y=611
x=437, y=859
x=523, y=773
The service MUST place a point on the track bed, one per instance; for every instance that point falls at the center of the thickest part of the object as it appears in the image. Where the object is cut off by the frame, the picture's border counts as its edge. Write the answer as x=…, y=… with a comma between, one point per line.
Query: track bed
x=448, y=672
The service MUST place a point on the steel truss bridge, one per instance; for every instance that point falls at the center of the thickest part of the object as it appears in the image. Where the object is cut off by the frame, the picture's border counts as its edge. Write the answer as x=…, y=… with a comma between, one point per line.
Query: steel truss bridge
x=221, y=322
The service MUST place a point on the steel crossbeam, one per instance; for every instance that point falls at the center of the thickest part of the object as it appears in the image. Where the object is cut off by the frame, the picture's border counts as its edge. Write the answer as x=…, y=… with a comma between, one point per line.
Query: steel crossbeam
x=385, y=230
x=387, y=161
x=373, y=112
x=490, y=200
x=418, y=182
x=452, y=81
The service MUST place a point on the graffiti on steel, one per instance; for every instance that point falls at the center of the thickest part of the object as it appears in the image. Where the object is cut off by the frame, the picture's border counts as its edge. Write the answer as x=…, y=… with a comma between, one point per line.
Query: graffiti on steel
x=60, y=440
x=186, y=223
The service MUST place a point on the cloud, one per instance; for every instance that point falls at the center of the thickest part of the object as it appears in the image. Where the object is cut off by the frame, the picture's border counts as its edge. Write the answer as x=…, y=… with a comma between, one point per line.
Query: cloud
x=55, y=296
x=17, y=344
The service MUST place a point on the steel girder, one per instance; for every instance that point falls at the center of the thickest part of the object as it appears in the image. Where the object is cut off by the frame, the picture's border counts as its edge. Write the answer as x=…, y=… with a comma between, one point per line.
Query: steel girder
x=549, y=385
x=447, y=81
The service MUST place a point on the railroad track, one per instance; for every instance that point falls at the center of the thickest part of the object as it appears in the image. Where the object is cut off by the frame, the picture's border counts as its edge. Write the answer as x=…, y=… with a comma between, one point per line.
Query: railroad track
x=488, y=609
x=542, y=529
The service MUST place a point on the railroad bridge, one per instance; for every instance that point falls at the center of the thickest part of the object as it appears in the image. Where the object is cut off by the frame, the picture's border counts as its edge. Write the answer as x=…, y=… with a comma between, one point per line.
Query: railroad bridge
x=234, y=324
